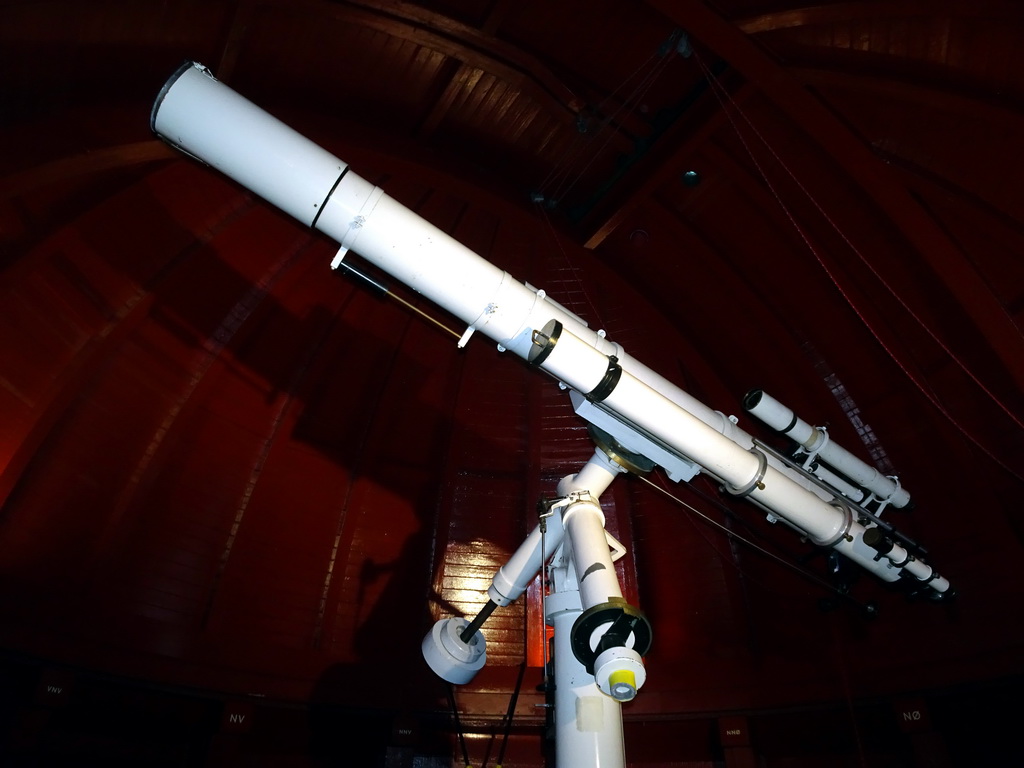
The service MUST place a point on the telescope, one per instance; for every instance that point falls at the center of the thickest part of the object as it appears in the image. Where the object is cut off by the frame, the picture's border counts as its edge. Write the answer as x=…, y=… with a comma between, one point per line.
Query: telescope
x=639, y=418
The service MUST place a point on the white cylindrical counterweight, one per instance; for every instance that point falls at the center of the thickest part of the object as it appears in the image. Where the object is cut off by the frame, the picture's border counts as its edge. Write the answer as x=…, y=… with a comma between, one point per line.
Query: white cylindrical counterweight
x=449, y=656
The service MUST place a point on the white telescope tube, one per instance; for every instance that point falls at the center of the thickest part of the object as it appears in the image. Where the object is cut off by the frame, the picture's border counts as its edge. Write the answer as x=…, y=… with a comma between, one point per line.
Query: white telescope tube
x=833, y=480
x=874, y=538
x=584, y=369
x=782, y=419
x=208, y=120
x=203, y=117
x=197, y=114
x=744, y=472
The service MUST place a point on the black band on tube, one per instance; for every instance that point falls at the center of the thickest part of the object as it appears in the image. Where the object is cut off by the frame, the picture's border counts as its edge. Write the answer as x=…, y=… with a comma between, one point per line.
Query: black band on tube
x=792, y=424
x=608, y=383
x=328, y=198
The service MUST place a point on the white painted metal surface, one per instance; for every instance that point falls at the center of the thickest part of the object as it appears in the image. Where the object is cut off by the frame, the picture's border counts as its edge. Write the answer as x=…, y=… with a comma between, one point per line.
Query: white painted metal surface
x=210, y=121
x=815, y=441
x=449, y=656
x=198, y=114
x=584, y=525
x=580, y=366
x=588, y=724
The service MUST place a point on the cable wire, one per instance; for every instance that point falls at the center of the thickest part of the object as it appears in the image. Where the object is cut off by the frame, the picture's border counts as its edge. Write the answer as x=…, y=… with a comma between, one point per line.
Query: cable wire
x=756, y=547
x=458, y=725
x=638, y=93
x=510, y=714
x=719, y=90
x=561, y=168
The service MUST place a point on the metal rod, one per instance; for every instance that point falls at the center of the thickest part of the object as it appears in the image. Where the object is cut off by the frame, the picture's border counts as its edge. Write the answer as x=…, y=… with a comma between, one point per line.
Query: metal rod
x=543, y=593
x=458, y=724
x=475, y=625
x=509, y=715
x=858, y=508
x=424, y=315
x=382, y=289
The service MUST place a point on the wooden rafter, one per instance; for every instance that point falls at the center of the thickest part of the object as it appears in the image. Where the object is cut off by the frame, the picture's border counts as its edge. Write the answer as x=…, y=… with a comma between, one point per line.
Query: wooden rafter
x=862, y=166
x=83, y=164
x=830, y=13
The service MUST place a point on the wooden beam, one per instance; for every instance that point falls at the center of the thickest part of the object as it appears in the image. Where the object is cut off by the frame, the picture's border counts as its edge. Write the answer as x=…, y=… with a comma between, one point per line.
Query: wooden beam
x=237, y=30
x=665, y=169
x=980, y=109
x=83, y=164
x=468, y=44
x=861, y=165
x=496, y=15
x=457, y=78
x=831, y=13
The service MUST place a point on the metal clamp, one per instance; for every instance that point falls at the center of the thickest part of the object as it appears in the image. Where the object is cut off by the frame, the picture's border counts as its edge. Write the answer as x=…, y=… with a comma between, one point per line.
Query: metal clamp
x=809, y=455
x=742, y=491
x=625, y=622
x=847, y=513
x=909, y=559
x=608, y=383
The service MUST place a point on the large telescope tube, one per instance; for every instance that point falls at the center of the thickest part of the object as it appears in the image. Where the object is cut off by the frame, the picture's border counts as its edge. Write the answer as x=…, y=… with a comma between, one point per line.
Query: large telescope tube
x=204, y=118
x=208, y=120
x=743, y=472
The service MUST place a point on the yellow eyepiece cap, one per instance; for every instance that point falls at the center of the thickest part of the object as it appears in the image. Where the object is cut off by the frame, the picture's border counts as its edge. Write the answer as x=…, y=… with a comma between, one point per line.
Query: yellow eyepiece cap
x=622, y=683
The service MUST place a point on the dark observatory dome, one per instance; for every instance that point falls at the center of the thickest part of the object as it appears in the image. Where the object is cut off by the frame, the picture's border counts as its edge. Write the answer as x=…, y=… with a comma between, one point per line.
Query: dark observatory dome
x=238, y=487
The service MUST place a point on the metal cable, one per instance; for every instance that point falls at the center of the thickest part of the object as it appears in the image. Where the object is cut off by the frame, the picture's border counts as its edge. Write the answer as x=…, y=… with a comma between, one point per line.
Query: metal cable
x=543, y=591
x=510, y=713
x=458, y=725
x=725, y=100
x=757, y=547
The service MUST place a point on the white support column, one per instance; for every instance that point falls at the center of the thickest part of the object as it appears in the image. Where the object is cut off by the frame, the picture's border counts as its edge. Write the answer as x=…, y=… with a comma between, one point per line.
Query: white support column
x=588, y=724
x=591, y=557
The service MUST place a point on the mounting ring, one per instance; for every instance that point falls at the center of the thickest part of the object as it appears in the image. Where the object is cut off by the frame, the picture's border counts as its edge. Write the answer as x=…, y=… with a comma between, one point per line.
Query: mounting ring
x=610, y=380
x=628, y=460
x=843, y=532
x=625, y=621
x=741, y=491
